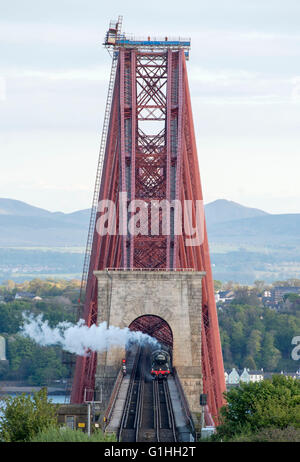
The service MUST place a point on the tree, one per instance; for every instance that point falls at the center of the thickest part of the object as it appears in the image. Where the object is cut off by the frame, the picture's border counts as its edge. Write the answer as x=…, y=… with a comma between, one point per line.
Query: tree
x=10, y=285
x=25, y=416
x=252, y=407
x=259, y=286
x=11, y=316
x=254, y=344
x=218, y=285
x=230, y=285
x=37, y=364
x=291, y=304
x=270, y=354
x=259, y=333
x=237, y=341
x=246, y=296
x=225, y=342
x=250, y=363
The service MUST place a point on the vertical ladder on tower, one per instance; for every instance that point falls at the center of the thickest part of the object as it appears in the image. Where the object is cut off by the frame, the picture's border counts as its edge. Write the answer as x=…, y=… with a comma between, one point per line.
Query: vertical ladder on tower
x=89, y=244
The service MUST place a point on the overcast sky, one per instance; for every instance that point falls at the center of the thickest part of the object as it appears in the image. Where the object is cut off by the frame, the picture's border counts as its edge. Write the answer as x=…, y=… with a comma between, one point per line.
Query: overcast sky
x=244, y=74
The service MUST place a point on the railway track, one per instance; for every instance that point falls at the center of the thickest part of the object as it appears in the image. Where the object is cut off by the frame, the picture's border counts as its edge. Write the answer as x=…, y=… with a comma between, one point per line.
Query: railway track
x=131, y=415
x=148, y=412
x=164, y=416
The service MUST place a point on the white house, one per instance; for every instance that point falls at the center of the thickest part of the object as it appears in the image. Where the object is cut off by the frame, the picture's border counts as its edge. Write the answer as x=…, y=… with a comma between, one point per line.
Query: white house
x=226, y=376
x=256, y=376
x=245, y=376
x=24, y=295
x=233, y=377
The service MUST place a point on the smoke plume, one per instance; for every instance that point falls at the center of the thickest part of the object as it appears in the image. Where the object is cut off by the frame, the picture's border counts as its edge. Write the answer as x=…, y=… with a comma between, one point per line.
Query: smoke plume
x=79, y=338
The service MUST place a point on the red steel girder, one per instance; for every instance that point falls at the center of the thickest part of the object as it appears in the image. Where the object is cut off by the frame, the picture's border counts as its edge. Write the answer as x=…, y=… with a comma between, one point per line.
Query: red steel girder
x=151, y=154
x=155, y=327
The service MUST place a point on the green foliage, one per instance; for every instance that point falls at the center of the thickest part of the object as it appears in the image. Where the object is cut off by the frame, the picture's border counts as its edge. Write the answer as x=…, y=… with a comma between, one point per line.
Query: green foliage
x=49, y=287
x=270, y=435
x=24, y=416
x=259, y=286
x=254, y=407
x=43, y=287
x=11, y=319
x=218, y=285
x=38, y=365
x=257, y=337
x=67, y=435
x=11, y=316
x=54, y=312
x=27, y=360
x=291, y=304
x=246, y=296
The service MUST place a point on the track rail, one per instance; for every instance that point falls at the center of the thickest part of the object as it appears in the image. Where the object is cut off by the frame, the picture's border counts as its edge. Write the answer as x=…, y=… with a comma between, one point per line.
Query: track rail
x=164, y=415
x=148, y=412
x=131, y=415
x=140, y=400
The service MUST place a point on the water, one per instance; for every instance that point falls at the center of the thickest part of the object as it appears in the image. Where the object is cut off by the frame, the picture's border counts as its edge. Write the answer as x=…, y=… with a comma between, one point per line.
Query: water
x=55, y=399
x=59, y=399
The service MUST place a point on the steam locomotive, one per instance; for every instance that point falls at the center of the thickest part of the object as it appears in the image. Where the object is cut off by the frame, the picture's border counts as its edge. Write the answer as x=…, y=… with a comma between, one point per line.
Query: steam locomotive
x=161, y=365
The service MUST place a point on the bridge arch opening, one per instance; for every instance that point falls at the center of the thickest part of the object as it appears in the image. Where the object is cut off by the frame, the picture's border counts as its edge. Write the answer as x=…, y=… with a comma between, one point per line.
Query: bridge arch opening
x=155, y=326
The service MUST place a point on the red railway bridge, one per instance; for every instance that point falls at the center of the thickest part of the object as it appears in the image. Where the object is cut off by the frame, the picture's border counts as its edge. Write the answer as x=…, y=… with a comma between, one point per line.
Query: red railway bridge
x=148, y=155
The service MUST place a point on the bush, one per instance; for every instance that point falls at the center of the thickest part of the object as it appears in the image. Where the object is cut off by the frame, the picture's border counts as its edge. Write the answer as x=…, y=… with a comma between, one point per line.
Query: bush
x=271, y=435
x=67, y=435
x=25, y=416
x=255, y=407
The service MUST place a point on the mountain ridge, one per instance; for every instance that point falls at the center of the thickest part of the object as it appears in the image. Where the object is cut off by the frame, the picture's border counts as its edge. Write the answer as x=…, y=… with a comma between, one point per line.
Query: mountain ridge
x=223, y=210
x=216, y=211
x=20, y=208
x=227, y=222
x=245, y=243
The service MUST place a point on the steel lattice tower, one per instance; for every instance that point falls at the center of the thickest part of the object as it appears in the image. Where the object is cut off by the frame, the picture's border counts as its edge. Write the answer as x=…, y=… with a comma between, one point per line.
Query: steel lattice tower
x=148, y=151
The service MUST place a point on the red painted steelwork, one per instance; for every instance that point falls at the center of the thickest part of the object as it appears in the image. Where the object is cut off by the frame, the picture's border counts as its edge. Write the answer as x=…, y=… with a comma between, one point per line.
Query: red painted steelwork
x=151, y=155
x=155, y=327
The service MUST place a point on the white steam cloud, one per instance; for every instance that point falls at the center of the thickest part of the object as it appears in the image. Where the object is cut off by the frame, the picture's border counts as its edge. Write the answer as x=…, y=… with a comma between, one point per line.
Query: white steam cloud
x=78, y=338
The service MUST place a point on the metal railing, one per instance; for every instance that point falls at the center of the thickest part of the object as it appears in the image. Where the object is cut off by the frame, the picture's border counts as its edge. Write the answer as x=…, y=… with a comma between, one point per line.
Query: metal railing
x=151, y=269
x=113, y=398
x=166, y=38
x=184, y=402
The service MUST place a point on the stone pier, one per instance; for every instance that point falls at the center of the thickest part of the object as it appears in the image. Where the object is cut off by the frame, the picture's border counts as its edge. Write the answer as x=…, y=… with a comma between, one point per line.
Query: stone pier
x=174, y=296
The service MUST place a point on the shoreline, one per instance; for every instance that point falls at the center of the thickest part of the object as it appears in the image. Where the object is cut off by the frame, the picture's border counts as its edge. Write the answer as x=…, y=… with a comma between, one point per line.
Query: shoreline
x=30, y=389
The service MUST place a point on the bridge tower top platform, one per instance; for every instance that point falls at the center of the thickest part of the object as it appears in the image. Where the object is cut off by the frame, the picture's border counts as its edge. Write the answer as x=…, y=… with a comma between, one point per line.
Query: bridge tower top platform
x=115, y=39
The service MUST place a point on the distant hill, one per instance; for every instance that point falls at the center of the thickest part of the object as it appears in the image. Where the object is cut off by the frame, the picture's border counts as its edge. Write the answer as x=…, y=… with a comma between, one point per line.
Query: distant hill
x=245, y=243
x=267, y=230
x=12, y=207
x=222, y=210
x=22, y=225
